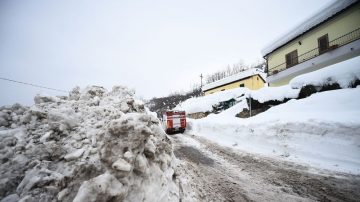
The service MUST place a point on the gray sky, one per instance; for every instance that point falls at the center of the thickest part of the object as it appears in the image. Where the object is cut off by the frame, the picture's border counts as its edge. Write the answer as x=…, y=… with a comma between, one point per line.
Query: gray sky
x=154, y=47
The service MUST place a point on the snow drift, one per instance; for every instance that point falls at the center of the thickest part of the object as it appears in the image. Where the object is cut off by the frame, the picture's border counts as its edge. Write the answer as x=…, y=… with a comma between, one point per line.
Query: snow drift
x=93, y=145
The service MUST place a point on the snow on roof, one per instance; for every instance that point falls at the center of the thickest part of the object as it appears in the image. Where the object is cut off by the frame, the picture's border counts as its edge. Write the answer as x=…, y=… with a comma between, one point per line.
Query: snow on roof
x=236, y=77
x=323, y=14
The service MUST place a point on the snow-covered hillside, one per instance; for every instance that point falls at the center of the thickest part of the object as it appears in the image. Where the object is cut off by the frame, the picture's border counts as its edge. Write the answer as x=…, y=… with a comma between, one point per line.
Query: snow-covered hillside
x=94, y=145
x=322, y=130
x=344, y=74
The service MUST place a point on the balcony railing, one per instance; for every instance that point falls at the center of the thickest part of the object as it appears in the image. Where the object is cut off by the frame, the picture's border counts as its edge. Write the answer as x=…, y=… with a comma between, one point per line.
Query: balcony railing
x=338, y=42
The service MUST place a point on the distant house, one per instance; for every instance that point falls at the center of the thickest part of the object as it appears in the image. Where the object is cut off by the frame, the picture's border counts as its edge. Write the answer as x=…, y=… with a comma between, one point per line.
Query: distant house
x=252, y=79
x=330, y=36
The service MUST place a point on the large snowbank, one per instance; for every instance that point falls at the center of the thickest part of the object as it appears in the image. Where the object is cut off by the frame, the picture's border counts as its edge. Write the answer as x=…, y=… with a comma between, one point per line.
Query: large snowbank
x=344, y=73
x=322, y=130
x=94, y=145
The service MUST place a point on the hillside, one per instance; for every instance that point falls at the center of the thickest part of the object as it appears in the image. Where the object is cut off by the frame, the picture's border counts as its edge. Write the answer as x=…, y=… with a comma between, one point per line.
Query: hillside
x=159, y=105
x=316, y=127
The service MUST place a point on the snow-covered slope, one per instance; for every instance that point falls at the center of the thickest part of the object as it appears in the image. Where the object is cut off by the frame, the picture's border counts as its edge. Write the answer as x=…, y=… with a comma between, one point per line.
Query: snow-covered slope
x=322, y=130
x=94, y=145
x=205, y=103
x=343, y=73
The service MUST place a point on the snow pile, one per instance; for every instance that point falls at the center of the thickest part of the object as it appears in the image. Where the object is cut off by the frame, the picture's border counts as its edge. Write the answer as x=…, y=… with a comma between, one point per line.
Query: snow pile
x=205, y=103
x=94, y=145
x=344, y=73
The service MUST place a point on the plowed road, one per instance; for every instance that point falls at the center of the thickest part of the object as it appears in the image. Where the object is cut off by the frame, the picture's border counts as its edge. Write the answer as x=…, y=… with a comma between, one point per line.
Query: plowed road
x=210, y=172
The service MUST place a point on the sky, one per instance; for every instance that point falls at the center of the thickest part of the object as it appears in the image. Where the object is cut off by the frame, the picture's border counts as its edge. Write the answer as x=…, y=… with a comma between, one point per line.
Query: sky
x=154, y=47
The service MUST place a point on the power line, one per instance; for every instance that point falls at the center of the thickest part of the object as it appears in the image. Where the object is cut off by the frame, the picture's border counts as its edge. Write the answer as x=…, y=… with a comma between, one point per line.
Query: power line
x=34, y=85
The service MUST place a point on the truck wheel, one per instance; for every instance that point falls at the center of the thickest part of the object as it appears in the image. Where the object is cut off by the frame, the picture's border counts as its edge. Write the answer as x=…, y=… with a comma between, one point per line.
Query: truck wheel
x=169, y=132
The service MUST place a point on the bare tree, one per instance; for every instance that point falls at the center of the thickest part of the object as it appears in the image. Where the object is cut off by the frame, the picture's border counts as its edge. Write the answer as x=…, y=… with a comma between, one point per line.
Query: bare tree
x=233, y=69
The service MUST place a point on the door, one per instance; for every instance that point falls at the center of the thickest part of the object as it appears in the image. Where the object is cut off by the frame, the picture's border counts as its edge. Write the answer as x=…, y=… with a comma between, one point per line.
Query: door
x=323, y=43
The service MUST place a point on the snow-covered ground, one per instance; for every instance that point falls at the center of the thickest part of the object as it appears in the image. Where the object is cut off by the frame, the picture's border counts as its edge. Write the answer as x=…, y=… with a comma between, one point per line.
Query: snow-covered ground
x=322, y=130
x=94, y=145
x=344, y=73
x=205, y=103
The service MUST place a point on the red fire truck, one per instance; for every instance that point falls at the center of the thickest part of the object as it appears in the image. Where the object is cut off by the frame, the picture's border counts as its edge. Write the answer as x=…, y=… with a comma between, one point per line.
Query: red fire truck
x=175, y=121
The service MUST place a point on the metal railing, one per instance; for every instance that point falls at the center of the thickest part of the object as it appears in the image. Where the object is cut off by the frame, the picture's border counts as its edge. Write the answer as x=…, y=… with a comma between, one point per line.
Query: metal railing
x=338, y=42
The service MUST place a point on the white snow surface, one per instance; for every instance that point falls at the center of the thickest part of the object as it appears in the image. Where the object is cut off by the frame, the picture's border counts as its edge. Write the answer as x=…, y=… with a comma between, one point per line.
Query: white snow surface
x=205, y=103
x=320, y=16
x=236, y=77
x=322, y=131
x=92, y=145
x=344, y=73
x=274, y=93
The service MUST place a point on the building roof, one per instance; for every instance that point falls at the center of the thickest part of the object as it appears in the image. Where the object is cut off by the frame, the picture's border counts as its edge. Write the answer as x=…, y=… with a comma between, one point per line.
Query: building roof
x=314, y=20
x=235, y=77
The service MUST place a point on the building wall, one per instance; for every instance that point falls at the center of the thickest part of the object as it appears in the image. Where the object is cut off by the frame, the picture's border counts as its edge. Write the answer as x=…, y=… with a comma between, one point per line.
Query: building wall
x=254, y=82
x=280, y=83
x=336, y=27
x=337, y=55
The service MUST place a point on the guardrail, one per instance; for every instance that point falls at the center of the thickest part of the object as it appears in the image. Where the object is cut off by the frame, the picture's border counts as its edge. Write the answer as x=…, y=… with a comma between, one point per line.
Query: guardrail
x=336, y=43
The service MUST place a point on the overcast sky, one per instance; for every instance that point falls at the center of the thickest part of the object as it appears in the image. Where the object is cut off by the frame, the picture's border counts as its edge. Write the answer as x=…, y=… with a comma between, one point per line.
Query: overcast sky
x=154, y=47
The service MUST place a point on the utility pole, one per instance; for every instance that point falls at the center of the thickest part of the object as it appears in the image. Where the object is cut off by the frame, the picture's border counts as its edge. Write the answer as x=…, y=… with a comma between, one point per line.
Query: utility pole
x=252, y=87
x=201, y=92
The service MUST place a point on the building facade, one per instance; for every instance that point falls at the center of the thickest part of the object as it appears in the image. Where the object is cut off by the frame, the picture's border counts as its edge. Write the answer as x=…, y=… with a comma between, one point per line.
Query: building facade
x=252, y=79
x=330, y=36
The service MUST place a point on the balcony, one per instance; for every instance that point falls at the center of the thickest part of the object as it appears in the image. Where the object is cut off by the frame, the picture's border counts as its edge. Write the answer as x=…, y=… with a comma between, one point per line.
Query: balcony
x=334, y=44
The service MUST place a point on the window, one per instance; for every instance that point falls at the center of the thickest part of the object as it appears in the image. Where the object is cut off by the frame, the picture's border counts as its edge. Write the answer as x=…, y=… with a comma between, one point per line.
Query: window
x=291, y=58
x=242, y=85
x=323, y=43
x=222, y=89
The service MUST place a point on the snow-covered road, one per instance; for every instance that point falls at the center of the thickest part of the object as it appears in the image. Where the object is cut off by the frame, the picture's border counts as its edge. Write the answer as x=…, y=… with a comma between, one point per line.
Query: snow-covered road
x=210, y=172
